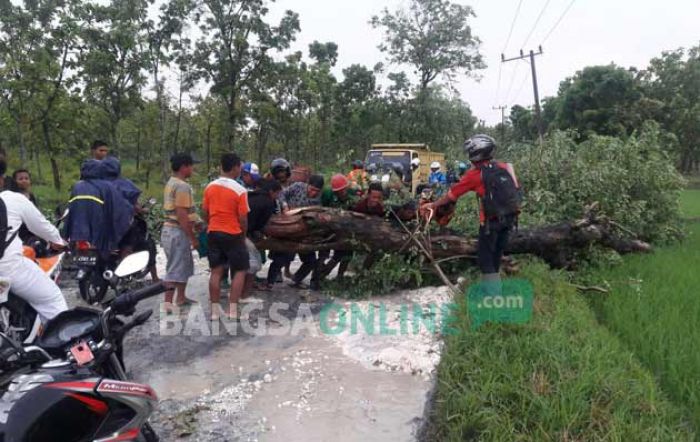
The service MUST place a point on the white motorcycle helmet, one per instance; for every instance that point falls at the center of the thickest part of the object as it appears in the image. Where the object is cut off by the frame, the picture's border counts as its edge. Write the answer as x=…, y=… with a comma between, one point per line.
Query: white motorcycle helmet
x=435, y=166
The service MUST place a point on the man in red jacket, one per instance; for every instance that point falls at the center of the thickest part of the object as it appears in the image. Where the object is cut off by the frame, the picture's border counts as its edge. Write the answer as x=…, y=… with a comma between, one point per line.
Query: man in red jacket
x=493, y=230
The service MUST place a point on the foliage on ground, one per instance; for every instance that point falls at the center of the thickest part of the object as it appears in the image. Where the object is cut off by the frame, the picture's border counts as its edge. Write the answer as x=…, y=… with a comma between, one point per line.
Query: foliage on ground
x=389, y=273
x=561, y=377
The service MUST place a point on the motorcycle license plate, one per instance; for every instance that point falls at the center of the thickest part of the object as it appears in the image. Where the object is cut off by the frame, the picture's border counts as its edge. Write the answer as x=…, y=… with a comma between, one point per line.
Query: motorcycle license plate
x=86, y=260
x=82, y=353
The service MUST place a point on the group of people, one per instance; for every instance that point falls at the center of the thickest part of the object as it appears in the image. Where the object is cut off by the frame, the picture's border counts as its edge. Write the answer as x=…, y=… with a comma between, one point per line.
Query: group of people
x=235, y=208
x=103, y=209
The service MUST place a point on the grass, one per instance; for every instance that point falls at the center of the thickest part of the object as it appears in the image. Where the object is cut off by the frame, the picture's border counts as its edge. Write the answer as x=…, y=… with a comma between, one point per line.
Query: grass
x=563, y=376
x=49, y=197
x=690, y=203
x=653, y=307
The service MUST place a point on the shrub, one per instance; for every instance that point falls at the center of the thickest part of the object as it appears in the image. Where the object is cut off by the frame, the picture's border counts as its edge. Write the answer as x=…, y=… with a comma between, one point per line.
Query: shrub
x=634, y=180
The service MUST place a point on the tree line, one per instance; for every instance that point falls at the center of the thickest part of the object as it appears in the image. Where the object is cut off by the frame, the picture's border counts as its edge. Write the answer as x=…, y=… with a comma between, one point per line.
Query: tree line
x=75, y=70
x=615, y=101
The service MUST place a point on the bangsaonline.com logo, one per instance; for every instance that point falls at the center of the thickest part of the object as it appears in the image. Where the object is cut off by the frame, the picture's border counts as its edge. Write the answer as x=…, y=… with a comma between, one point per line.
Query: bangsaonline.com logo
x=507, y=301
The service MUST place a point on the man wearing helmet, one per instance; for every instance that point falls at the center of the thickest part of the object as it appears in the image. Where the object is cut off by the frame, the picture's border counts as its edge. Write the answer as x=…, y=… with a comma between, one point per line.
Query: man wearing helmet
x=462, y=168
x=372, y=170
x=358, y=176
x=493, y=230
x=414, y=173
x=281, y=171
x=436, y=178
x=341, y=195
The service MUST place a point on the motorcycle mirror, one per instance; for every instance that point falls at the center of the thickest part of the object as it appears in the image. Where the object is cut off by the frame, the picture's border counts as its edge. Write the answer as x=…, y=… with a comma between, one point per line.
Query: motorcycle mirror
x=134, y=263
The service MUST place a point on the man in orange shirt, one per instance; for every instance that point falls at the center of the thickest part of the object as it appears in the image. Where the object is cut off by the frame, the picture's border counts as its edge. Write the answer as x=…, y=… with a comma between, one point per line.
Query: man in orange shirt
x=225, y=208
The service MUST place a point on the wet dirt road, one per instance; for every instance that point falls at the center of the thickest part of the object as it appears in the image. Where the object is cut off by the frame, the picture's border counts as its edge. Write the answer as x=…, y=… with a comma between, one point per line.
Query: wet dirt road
x=279, y=377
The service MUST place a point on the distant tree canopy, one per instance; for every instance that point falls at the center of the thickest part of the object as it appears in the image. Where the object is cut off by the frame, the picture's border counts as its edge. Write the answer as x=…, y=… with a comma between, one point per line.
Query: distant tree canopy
x=77, y=70
x=611, y=100
x=433, y=36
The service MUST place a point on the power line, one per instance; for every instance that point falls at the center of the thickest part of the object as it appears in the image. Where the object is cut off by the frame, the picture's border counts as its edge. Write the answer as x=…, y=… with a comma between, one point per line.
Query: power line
x=498, y=87
x=512, y=80
x=516, y=70
x=561, y=17
x=520, y=88
x=539, y=17
x=505, y=46
x=538, y=110
x=512, y=25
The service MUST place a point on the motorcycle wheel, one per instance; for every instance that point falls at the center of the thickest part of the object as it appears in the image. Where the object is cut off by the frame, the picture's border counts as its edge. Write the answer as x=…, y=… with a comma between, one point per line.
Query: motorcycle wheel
x=21, y=318
x=93, y=288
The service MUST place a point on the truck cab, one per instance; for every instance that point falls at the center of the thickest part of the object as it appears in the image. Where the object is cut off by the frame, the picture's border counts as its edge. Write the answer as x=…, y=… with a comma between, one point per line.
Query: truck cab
x=385, y=155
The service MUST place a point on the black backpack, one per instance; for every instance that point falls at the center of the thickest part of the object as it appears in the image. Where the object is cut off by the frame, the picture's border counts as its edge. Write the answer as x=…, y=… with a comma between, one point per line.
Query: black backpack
x=502, y=197
x=4, y=229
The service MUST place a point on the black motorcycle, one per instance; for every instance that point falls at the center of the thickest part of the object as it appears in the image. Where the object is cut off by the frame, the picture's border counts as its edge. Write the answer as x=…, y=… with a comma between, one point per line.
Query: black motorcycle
x=72, y=385
x=93, y=265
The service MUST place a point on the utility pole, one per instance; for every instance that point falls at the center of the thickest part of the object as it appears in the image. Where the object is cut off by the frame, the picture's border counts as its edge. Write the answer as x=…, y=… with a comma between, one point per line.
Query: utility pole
x=502, y=108
x=538, y=111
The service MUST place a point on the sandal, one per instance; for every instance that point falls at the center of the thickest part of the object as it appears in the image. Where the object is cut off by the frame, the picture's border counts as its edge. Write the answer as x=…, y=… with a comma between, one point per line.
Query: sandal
x=187, y=302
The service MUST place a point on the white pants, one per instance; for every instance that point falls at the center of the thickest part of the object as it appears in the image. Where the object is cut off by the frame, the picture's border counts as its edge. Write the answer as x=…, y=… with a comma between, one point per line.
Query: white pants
x=30, y=283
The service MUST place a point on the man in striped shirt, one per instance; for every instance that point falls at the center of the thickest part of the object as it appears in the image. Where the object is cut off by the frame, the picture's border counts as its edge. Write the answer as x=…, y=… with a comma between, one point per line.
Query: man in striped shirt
x=178, y=236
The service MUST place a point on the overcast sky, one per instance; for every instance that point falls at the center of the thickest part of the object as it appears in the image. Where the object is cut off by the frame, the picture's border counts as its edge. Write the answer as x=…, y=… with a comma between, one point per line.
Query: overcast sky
x=627, y=32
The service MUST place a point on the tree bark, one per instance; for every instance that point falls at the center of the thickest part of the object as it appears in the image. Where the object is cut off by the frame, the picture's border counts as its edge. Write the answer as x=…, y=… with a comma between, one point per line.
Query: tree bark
x=310, y=229
x=49, y=150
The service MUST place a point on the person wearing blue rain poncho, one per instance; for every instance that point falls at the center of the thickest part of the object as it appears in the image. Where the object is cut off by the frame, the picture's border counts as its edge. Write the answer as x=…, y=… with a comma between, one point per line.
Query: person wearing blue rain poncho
x=136, y=239
x=111, y=169
x=98, y=212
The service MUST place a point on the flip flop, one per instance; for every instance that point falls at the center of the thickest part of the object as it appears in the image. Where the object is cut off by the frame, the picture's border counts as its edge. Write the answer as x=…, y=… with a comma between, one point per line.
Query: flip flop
x=187, y=301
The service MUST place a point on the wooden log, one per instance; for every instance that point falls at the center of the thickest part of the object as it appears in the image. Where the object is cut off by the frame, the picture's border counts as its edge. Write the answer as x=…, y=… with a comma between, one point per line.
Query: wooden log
x=316, y=228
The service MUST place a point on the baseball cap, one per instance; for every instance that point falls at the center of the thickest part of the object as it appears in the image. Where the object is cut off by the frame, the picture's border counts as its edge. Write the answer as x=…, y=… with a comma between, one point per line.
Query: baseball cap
x=253, y=170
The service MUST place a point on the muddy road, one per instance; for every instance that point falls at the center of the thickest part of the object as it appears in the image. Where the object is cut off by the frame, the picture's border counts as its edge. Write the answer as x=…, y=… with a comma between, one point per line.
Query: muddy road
x=291, y=370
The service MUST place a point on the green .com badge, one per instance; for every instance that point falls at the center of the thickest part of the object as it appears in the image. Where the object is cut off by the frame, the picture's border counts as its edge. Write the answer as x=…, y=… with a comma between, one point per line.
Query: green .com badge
x=507, y=301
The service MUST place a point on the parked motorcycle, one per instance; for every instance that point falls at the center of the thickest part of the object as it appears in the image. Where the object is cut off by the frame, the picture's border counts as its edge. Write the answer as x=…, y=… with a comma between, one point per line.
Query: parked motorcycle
x=72, y=385
x=93, y=265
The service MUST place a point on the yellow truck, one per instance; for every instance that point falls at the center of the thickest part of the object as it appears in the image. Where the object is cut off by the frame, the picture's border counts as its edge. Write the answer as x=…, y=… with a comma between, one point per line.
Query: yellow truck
x=404, y=154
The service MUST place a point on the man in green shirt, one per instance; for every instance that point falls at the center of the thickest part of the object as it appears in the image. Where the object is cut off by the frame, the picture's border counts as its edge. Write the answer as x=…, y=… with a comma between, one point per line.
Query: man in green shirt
x=339, y=196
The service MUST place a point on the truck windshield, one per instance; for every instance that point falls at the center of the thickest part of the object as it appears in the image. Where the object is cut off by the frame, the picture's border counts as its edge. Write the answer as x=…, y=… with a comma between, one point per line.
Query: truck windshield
x=385, y=159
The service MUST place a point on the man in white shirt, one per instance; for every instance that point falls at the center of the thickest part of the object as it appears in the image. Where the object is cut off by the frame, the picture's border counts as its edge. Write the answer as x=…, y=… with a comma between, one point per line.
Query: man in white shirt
x=27, y=280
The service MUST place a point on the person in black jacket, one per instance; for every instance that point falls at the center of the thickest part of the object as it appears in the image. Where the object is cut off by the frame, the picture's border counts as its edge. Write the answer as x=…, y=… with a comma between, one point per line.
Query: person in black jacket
x=263, y=204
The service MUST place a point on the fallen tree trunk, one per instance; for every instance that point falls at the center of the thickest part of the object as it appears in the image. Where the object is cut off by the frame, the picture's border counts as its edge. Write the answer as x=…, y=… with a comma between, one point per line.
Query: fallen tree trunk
x=310, y=229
